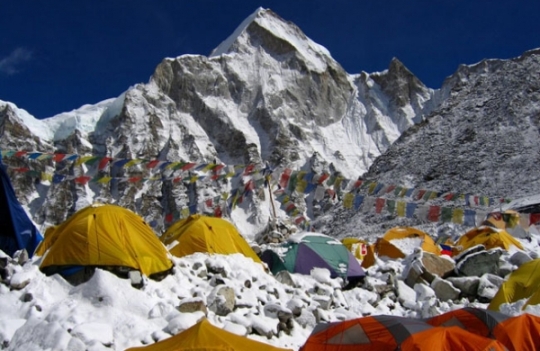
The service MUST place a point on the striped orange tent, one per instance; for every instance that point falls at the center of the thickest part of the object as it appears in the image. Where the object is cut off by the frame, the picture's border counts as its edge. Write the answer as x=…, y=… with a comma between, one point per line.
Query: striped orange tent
x=389, y=244
x=205, y=336
x=515, y=333
x=383, y=332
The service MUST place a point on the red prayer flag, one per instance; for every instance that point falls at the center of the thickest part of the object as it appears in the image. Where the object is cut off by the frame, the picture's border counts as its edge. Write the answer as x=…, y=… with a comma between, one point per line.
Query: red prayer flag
x=103, y=163
x=82, y=180
x=152, y=164
x=249, y=169
x=434, y=213
x=379, y=204
x=323, y=177
x=534, y=218
x=169, y=217
x=420, y=194
x=284, y=180
x=58, y=157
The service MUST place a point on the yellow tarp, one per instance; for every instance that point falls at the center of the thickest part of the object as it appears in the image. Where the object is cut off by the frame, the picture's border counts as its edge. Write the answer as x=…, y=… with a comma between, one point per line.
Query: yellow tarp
x=206, y=234
x=203, y=336
x=384, y=246
x=523, y=283
x=104, y=235
x=489, y=237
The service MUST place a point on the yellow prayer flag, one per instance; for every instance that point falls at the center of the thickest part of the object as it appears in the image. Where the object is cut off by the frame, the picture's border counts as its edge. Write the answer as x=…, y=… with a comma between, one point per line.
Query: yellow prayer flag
x=301, y=185
x=403, y=192
x=457, y=216
x=184, y=213
x=401, y=208
x=44, y=157
x=132, y=162
x=83, y=159
x=372, y=187
x=104, y=180
x=348, y=199
x=46, y=176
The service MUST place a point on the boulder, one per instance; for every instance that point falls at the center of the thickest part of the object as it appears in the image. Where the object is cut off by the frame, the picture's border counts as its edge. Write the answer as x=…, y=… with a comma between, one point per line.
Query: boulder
x=467, y=285
x=437, y=265
x=222, y=300
x=519, y=258
x=479, y=263
x=284, y=277
x=444, y=290
x=488, y=286
x=193, y=306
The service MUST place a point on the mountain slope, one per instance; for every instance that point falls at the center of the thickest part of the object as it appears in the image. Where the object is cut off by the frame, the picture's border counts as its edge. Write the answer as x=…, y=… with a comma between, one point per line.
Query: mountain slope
x=267, y=94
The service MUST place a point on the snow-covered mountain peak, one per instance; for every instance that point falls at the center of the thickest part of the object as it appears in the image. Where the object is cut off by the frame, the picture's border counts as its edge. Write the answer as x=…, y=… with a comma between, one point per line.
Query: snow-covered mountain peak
x=287, y=36
x=36, y=126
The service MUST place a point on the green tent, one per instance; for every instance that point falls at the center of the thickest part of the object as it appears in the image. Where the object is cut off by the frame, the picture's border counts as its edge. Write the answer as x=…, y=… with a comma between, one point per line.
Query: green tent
x=305, y=251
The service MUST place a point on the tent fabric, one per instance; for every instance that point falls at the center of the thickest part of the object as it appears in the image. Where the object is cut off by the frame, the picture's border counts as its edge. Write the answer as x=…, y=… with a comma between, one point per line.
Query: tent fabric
x=384, y=332
x=199, y=233
x=509, y=221
x=204, y=336
x=360, y=249
x=520, y=332
x=386, y=246
x=305, y=251
x=17, y=231
x=523, y=283
x=487, y=236
x=475, y=320
x=450, y=339
x=104, y=235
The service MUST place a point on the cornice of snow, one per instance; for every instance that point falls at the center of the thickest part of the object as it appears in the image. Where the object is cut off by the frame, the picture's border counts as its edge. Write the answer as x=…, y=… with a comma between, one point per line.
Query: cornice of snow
x=83, y=119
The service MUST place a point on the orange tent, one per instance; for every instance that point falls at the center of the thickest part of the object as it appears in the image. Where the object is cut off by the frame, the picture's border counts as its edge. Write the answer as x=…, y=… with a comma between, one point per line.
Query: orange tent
x=383, y=332
x=515, y=333
x=389, y=246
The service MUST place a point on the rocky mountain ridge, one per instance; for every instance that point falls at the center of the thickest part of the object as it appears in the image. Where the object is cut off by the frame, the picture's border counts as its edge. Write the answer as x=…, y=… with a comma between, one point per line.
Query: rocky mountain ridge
x=268, y=94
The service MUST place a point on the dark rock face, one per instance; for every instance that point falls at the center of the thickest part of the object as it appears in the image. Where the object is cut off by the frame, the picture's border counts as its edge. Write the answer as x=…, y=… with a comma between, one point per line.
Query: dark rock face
x=480, y=136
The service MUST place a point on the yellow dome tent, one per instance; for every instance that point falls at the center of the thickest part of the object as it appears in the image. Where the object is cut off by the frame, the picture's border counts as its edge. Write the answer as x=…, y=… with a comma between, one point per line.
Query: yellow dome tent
x=103, y=236
x=523, y=283
x=510, y=221
x=204, y=336
x=361, y=249
x=489, y=237
x=199, y=233
x=388, y=245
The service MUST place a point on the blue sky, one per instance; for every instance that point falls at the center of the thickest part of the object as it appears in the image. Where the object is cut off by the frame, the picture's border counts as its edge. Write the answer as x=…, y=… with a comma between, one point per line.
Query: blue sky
x=57, y=55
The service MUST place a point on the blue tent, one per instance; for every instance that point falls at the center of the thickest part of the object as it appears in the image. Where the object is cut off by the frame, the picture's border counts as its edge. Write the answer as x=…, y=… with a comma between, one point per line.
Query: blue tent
x=17, y=231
